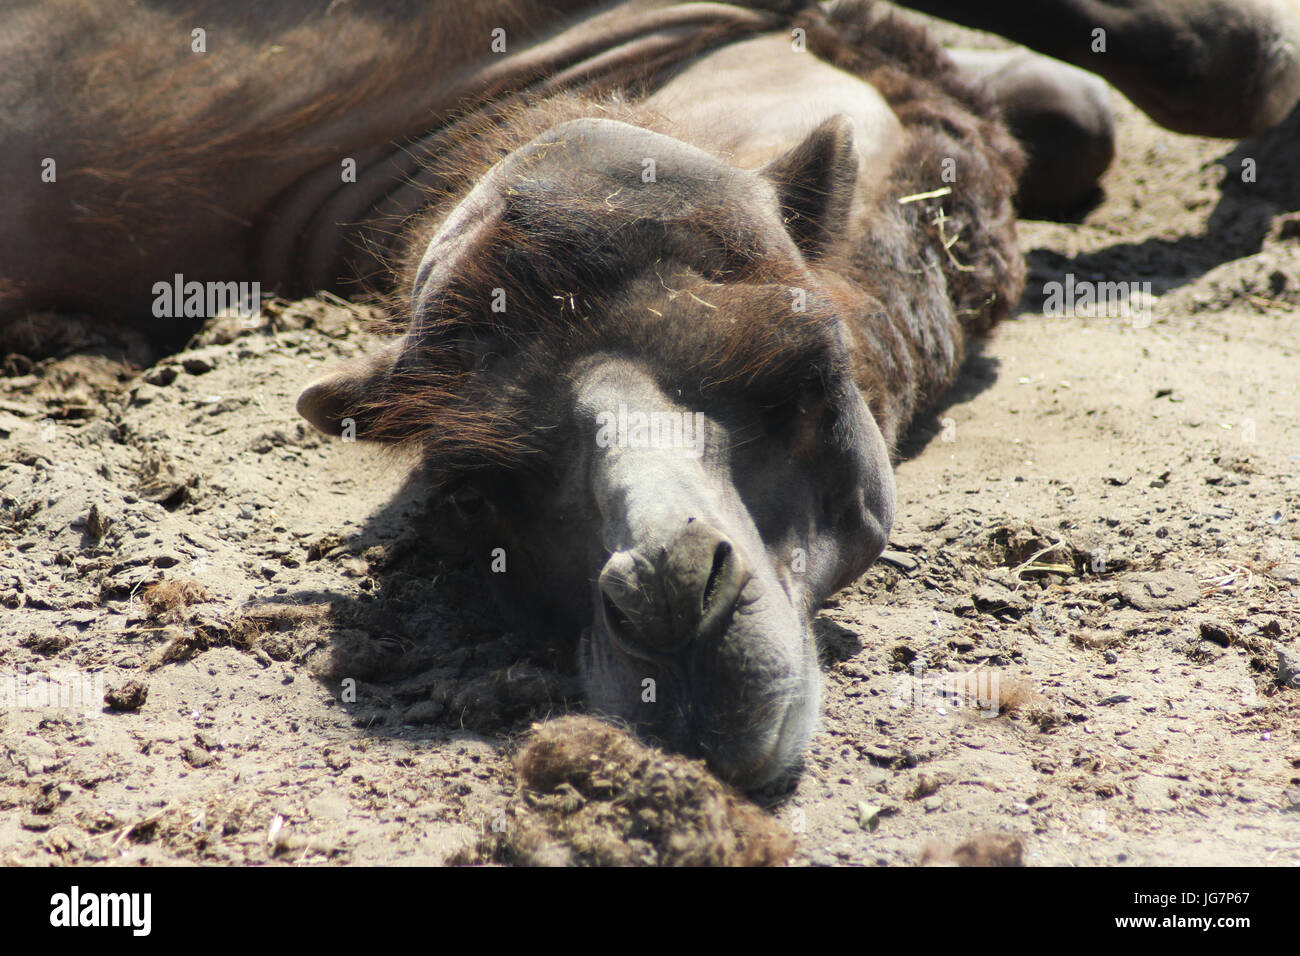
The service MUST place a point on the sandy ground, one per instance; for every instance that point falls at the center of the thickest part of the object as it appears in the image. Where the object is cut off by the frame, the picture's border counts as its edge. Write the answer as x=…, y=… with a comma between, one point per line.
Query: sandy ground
x=1101, y=519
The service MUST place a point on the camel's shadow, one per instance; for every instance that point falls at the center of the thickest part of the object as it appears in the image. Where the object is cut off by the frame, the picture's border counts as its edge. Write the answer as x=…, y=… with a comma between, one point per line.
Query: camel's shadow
x=1261, y=180
x=420, y=652
x=978, y=372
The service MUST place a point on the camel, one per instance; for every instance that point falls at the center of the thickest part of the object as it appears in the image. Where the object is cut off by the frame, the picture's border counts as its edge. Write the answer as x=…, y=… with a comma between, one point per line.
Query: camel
x=664, y=282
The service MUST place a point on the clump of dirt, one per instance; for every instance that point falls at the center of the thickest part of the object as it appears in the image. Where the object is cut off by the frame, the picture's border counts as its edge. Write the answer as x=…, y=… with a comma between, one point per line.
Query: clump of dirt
x=272, y=631
x=1028, y=548
x=200, y=830
x=130, y=696
x=168, y=595
x=592, y=795
x=159, y=479
x=986, y=849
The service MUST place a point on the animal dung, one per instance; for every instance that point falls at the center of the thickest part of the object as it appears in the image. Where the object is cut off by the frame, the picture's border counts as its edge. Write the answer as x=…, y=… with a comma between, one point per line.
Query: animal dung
x=591, y=794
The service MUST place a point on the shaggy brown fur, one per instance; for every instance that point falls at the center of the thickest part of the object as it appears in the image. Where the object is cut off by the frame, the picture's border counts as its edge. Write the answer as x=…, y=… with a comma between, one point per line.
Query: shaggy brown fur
x=913, y=345
x=592, y=795
x=163, y=596
x=174, y=160
x=728, y=327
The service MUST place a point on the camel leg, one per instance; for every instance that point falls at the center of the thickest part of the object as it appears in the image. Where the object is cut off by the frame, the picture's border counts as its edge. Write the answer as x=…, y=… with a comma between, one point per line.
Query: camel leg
x=1061, y=116
x=1228, y=68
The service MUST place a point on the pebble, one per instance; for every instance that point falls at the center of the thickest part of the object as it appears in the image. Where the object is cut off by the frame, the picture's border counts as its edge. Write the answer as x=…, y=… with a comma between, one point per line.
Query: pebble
x=328, y=806
x=1217, y=631
x=899, y=560
x=162, y=375
x=991, y=598
x=1160, y=591
x=196, y=757
x=1288, y=671
x=868, y=815
x=130, y=696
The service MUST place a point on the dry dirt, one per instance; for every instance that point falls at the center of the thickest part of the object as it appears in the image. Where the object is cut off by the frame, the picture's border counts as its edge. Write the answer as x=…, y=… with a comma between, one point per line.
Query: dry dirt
x=1102, y=518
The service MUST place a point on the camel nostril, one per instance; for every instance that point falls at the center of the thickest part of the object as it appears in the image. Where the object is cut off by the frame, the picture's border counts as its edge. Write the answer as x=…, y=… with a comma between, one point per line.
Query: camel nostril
x=727, y=578
x=690, y=592
x=702, y=575
x=640, y=631
x=720, y=555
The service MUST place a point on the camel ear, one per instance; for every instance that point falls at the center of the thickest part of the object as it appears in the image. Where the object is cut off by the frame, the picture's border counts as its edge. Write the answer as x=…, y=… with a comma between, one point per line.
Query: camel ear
x=342, y=404
x=815, y=183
